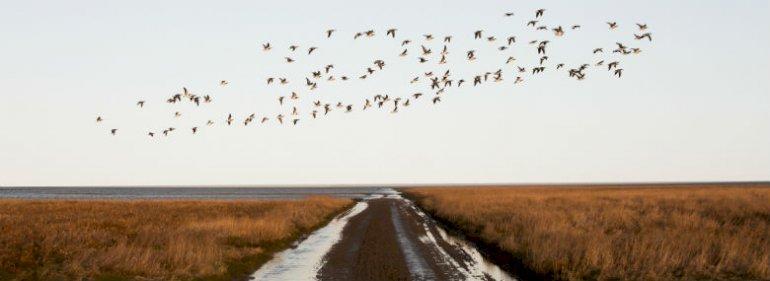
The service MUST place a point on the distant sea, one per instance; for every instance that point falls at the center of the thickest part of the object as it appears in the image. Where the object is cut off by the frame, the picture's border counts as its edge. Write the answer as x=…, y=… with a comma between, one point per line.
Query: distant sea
x=186, y=192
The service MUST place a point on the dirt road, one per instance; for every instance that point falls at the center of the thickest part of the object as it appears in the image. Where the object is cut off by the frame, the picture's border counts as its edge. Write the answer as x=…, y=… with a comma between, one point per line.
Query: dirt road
x=385, y=238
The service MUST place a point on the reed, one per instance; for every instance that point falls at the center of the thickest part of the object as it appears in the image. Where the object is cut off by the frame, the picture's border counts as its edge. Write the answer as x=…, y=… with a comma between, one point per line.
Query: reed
x=712, y=232
x=150, y=240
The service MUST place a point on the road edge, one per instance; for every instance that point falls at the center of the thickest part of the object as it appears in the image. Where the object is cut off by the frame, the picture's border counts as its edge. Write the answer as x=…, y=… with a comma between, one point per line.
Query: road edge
x=503, y=259
x=239, y=270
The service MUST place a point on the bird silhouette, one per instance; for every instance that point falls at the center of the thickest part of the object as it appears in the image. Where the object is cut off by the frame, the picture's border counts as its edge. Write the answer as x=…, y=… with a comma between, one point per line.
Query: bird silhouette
x=511, y=40
x=439, y=84
x=645, y=35
x=558, y=31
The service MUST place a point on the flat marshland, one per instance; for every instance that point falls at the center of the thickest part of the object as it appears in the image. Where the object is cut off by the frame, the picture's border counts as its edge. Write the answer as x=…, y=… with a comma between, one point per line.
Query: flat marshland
x=150, y=239
x=708, y=232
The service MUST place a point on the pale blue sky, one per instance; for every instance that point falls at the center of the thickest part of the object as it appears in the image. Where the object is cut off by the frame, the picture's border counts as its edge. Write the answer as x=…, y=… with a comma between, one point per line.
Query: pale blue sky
x=694, y=106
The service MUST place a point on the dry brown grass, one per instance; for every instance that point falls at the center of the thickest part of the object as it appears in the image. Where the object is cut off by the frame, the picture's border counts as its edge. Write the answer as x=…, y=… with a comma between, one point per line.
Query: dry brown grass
x=638, y=233
x=155, y=240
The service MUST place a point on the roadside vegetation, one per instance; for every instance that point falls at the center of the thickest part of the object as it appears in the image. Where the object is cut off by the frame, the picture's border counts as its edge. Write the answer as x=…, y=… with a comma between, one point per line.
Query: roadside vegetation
x=692, y=232
x=150, y=239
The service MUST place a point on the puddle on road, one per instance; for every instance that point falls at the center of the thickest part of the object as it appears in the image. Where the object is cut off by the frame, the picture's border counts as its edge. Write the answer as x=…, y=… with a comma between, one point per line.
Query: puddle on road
x=475, y=267
x=417, y=265
x=303, y=261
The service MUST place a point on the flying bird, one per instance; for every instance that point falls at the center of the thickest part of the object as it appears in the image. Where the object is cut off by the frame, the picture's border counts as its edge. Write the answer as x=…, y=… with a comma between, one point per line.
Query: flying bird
x=645, y=35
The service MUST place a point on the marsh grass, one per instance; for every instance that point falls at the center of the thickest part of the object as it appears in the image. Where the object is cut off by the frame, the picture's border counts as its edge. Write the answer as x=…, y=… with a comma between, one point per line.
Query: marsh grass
x=632, y=233
x=150, y=240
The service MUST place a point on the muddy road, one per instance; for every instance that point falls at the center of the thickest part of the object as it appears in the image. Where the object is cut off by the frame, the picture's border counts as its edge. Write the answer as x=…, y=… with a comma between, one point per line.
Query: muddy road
x=384, y=237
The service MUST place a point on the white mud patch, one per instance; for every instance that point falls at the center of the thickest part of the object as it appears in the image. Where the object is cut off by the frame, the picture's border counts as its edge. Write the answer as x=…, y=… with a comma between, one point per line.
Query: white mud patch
x=303, y=261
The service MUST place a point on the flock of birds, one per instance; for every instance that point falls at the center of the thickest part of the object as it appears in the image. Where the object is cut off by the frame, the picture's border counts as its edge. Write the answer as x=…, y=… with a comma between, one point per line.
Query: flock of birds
x=438, y=82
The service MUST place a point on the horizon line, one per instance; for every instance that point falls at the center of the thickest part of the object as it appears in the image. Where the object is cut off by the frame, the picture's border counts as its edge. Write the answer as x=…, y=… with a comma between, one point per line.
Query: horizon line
x=511, y=184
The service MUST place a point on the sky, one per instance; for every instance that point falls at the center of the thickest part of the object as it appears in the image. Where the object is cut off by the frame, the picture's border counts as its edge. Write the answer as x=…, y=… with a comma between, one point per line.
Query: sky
x=693, y=106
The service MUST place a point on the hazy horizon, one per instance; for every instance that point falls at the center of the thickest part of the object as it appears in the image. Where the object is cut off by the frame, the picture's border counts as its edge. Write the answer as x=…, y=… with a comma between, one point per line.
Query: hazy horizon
x=377, y=185
x=694, y=106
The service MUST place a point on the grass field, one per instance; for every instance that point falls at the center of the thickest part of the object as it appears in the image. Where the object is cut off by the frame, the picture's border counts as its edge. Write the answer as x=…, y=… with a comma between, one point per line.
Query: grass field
x=602, y=233
x=150, y=240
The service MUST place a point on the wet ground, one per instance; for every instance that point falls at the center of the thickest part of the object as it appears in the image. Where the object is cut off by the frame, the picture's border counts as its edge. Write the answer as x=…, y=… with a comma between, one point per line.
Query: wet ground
x=382, y=238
